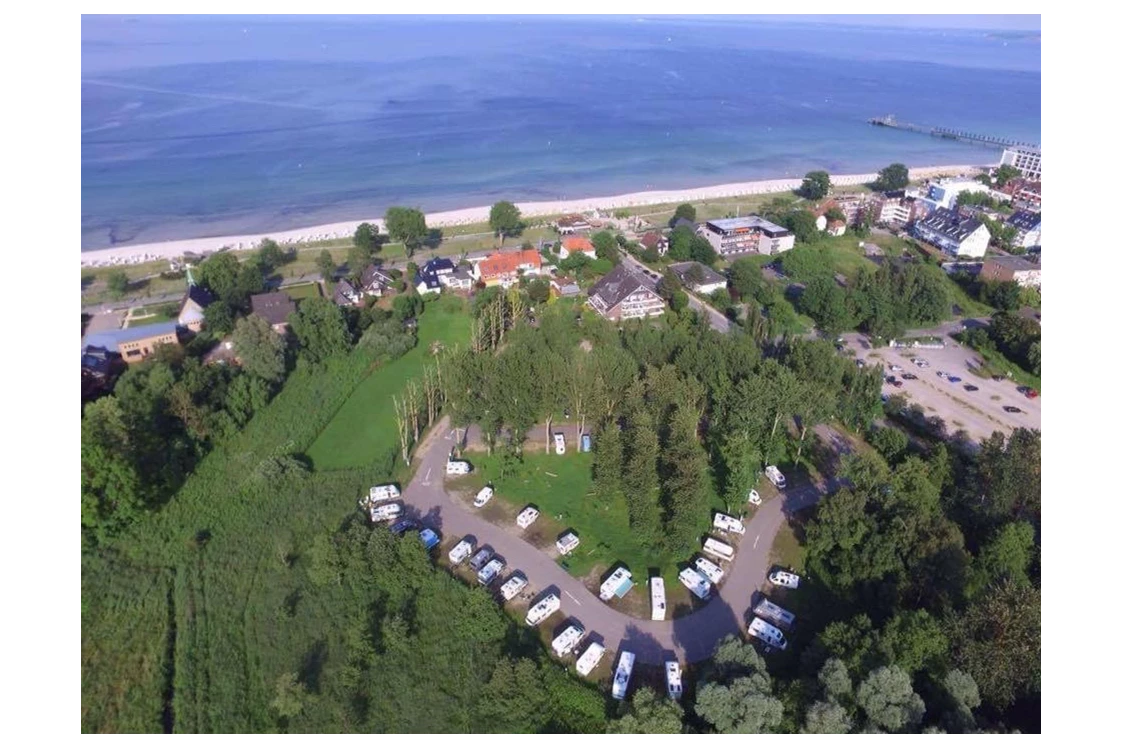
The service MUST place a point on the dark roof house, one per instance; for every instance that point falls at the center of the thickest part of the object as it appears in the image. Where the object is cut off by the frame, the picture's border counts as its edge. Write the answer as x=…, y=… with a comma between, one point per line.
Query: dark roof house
x=274, y=308
x=625, y=294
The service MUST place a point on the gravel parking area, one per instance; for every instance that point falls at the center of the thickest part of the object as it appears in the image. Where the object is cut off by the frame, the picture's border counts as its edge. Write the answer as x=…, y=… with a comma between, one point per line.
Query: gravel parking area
x=980, y=413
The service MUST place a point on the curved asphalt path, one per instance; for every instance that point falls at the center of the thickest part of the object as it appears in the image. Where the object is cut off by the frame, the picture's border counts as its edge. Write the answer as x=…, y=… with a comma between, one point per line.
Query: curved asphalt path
x=692, y=637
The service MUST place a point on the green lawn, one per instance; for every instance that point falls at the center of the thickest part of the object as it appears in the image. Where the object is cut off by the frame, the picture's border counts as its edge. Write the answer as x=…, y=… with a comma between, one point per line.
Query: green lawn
x=154, y=315
x=365, y=426
x=303, y=291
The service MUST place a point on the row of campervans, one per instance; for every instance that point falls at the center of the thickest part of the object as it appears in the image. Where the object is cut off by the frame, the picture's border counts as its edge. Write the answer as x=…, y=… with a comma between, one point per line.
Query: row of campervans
x=378, y=502
x=701, y=578
x=567, y=641
x=623, y=676
x=769, y=623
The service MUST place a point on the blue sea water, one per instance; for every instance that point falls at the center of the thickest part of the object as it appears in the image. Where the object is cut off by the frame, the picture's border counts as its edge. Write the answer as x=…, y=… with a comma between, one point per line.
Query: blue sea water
x=205, y=126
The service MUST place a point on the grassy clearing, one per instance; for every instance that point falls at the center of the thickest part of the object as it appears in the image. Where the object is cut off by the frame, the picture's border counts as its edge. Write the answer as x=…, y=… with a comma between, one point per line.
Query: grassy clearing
x=304, y=291
x=997, y=364
x=154, y=314
x=364, y=428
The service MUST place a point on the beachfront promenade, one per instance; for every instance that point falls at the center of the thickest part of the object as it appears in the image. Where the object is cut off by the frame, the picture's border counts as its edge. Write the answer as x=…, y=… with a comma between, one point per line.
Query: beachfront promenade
x=171, y=249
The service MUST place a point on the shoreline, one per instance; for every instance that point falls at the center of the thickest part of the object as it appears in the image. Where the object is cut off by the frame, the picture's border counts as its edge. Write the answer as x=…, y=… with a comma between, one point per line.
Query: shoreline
x=171, y=249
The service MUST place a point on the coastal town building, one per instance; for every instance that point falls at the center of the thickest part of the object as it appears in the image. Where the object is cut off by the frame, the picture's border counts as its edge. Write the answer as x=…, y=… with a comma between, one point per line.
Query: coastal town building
x=132, y=344
x=460, y=279
x=853, y=207
x=730, y=236
x=625, y=294
x=504, y=268
x=697, y=277
x=836, y=227
x=1028, y=225
x=571, y=244
x=572, y=223
x=899, y=209
x=429, y=276
x=563, y=286
x=1025, y=160
x=945, y=192
x=1012, y=268
x=194, y=302
x=374, y=281
x=346, y=294
x=654, y=240
x=953, y=233
x=274, y=308
x=100, y=368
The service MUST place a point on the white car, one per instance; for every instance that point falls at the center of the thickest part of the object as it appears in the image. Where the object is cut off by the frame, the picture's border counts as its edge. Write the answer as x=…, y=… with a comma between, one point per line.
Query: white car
x=942, y=374
x=920, y=363
x=565, y=642
x=483, y=496
x=674, y=679
x=559, y=443
x=566, y=543
x=459, y=552
x=895, y=367
x=513, y=586
x=590, y=657
x=543, y=609
x=784, y=579
x=526, y=517
x=773, y=474
x=754, y=498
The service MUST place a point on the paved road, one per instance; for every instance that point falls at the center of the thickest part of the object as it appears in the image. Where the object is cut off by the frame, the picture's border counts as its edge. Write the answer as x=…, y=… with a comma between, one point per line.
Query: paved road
x=718, y=320
x=691, y=637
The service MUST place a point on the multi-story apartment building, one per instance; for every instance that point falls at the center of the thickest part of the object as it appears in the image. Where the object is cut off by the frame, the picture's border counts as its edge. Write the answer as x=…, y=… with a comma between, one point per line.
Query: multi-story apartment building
x=732, y=236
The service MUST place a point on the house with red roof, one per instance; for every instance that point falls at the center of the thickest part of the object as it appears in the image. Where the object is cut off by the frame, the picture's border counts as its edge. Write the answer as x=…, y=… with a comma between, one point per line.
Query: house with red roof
x=505, y=268
x=571, y=244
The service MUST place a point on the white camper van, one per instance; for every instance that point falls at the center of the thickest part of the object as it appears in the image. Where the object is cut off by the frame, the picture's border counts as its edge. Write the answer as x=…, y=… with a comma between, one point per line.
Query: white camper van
x=716, y=548
x=618, y=583
x=589, y=658
x=513, y=586
x=567, y=640
x=754, y=498
x=385, y=512
x=526, y=517
x=384, y=491
x=773, y=613
x=729, y=524
x=773, y=474
x=543, y=609
x=457, y=467
x=784, y=579
x=488, y=574
x=459, y=552
x=674, y=679
x=623, y=675
x=695, y=582
x=710, y=569
x=658, y=599
x=566, y=543
x=768, y=633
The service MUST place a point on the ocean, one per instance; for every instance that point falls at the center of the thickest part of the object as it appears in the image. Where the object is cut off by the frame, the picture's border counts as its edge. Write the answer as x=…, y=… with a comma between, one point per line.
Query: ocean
x=208, y=126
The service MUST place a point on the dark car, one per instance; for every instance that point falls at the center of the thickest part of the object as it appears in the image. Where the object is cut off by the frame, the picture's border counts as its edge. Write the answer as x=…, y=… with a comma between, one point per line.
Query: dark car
x=1011, y=409
x=403, y=525
x=908, y=375
x=970, y=388
x=998, y=378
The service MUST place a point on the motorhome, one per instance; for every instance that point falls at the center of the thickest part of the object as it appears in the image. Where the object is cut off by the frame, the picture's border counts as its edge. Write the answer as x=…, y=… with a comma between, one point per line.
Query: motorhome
x=384, y=491
x=768, y=633
x=543, y=609
x=716, y=548
x=754, y=497
x=773, y=474
x=429, y=538
x=674, y=679
x=457, y=467
x=784, y=579
x=459, y=552
x=483, y=496
x=482, y=556
x=773, y=613
x=623, y=675
x=565, y=641
x=586, y=443
x=559, y=443
x=710, y=569
x=385, y=512
x=488, y=574
x=617, y=584
x=658, y=599
x=695, y=582
x=513, y=586
x=526, y=517
x=590, y=658
x=566, y=543
x=729, y=524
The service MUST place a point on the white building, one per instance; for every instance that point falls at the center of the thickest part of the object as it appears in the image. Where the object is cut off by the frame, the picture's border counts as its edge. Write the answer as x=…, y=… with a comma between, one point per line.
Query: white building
x=945, y=192
x=731, y=236
x=1028, y=225
x=953, y=234
x=697, y=277
x=1026, y=160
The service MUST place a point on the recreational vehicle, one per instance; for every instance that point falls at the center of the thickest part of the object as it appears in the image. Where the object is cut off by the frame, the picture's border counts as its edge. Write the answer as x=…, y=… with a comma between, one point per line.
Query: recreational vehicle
x=716, y=548
x=658, y=599
x=567, y=640
x=543, y=609
x=385, y=513
x=513, y=586
x=674, y=679
x=482, y=556
x=773, y=474
x=488, y=574
x=589, y=658
x=695, y=582
x=526, y=517
x=483, y=496
x=710, y=569
x=784, y=579
x=768, y=633
x=623, y=675
x=773, y=613
x=616, y=585
x=729, y=524
x=566, y=543
x=459, y=552
x=384, y=491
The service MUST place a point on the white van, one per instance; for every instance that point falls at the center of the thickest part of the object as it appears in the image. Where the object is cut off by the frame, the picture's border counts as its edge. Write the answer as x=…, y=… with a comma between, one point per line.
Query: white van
x=774, y=613
x=623, y=675
x=483, y=496
x=729, y=524
x=488, y=574
x=589, y=658
x=674, y=679
x=716, y=548
x=768, y=633
x=459, y=552
x=565, y=641
x=482, y=556
x=385, y=513
x=695, y=582
x=559, y=443
x=773, y=474
x=543, y=609
x=526, y=517
x=566, y=543
x=513, y=586
x=384, y=491
x=710, y=569
x=457, y=467
x=754, y=497
x=658, y=599
x=784, y=579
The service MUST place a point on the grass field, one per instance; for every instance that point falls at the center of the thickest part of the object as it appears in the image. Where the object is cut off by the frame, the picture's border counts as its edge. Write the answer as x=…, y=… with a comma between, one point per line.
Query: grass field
x=154, y=315
x=365, y=426
x=303, y=291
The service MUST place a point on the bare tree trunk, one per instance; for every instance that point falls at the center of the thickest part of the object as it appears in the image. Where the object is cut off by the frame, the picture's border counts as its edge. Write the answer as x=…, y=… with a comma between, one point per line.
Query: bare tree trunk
x=549, y=421
x=802, y=433
x=403, y=428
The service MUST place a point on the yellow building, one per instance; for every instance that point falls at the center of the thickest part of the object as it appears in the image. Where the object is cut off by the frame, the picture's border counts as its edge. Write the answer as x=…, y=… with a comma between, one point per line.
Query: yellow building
x=135, y=343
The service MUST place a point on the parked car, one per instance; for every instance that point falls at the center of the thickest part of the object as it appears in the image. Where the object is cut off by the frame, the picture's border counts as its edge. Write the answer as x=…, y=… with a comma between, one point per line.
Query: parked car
x=1028, y=392
x=773, y=474
x=403, y=526
x=942, y=374
x=998, y=378
x=920, y=363
x=954, y=379
x=483, y=496
x=894, y=367
x=861, y=363
x=896, y=382
x=908, y=375
x=970, y=388
x=754, y=497
x=429, y=538
x=1011, y=409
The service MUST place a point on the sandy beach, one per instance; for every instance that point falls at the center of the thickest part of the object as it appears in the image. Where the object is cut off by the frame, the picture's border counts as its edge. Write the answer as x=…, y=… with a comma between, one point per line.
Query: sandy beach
x=172, y=249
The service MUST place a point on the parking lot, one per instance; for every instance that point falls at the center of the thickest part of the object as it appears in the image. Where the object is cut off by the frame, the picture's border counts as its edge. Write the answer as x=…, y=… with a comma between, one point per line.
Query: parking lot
x=979, y=413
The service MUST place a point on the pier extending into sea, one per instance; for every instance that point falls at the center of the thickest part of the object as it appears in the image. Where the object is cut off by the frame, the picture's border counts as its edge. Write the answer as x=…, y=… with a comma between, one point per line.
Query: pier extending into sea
x=943, y=132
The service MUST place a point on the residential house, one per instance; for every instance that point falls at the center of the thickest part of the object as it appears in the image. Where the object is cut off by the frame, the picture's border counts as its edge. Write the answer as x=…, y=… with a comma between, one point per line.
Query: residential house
x=836, y=227
x=572, y=223
x=1012, y=268
x=347, y=294
x=697, y=277
x=625, y=294
x=953, y=233
x=504, y=268
x=194, y=302
x=132, y=344
x=571, y=244
x=729, y=236
x=428, y=278
x=1028, y=225
x=898, y=209
x=100, y=367
x=274, y=308
x=460, y=279
x=654, y=240
x=944, y=193
x=375, y=282
x=563, y=286
x=853, y=207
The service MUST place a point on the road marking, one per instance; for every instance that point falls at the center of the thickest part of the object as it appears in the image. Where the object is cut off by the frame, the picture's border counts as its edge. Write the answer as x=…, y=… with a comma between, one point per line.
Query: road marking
x=427, y=474
x=571, y=597
x=756, y=541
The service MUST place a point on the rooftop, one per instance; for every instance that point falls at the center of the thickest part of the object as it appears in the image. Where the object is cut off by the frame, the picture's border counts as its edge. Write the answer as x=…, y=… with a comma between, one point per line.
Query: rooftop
x=578, y=244
x=501, y=263
x=619, y=284
x=110, y=339
x=709, y=275
x=1026, y=220
x=950, y=224
x=274, y=308
x=748, y=223
x=1014, y=263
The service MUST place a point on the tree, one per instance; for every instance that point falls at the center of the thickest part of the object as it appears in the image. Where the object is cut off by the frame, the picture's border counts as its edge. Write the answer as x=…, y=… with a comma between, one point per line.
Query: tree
x=687, y=211
x=260, y=349
x=606, y=247
x=289, y=694
x=270, y=255
x=326, y=266
x=890, y=442
x=702, y=251
x=816, y=185
x=736, y=695
x=835, y=680
x=998, y=642
x=407, y=306
x=745, y=278
x=504, y=219
x=888, y=700
x=321, y=330
x=679, y=301
x=1004, y=174
x=117, y=282
x=218, y=319
x=1004, y=295
x=641, y=477
x=1005, y=558
x=406, y=225
x=358, y=258
x=365, y=237
x=538, y=290
x=802, y=224
x=892, y=177
x=827, y=718
x=835, y=214
x=648, y=714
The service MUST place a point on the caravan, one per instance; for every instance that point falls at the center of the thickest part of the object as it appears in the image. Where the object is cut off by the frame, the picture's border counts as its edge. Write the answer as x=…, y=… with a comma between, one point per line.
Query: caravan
x=695, y=582
x=589, y=658
x=718, y=549
x=567, y=640
x=710, y=569
x=674, y=679
x=658, y=599
x=773, y=613
x=459, y=552
x=384, y=491
x=526, y=517
x=768, y=633
x=616, y=585
x=488, y=574
x=784, y=579
x=543, y=609
x=567, y=542
x=513, y=586
x=386, y=512
x=623, y=675
x=482, y=556
x=729, y=524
